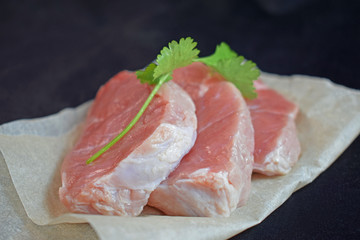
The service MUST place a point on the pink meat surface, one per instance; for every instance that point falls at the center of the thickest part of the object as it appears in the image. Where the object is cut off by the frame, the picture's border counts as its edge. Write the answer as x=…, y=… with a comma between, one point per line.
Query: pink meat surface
x=120, y=181
x=277, y=147
x=215, y=176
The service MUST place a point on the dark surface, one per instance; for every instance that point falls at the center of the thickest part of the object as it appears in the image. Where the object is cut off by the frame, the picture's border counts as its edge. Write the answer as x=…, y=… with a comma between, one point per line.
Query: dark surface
x=56, y=55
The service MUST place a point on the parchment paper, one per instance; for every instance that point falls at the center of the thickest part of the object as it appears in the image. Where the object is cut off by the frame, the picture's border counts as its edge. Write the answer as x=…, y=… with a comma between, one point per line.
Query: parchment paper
x=33, y=150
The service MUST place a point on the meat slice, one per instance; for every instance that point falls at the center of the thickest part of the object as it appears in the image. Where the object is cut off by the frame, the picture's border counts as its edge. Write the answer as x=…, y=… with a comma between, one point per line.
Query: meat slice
x=277, y=147
x=120, y=181
x=215, y=176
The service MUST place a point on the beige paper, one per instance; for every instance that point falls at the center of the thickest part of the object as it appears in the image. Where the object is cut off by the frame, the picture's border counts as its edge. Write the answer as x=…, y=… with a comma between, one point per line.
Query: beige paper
x=329, y=121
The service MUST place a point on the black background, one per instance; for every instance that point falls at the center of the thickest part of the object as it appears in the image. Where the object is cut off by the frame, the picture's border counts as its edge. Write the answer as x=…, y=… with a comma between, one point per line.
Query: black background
x=56, y=54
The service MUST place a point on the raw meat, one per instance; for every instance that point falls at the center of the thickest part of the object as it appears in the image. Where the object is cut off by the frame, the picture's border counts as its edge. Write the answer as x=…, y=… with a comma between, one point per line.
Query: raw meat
x=215, y=176
x=120, y=181
x=277, y=147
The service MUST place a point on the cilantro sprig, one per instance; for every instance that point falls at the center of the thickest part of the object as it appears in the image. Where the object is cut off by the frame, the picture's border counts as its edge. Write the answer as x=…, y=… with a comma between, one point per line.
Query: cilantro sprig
x=228, y=63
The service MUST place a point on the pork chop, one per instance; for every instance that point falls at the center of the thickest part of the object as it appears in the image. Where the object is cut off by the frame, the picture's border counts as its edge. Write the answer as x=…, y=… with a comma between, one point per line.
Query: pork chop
x=120, y=181
x=215, y=176
x=277, y=147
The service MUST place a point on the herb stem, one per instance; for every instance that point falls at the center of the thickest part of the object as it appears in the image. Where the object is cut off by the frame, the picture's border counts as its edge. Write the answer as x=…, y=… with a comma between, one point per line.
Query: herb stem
x=162, y=80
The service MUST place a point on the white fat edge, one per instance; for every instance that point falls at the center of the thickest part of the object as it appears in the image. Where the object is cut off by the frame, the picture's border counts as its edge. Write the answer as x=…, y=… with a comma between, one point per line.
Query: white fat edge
x=63, y=180
x=199, y=172
x=76, y=205
x=243, y=160
x=280, y=161
x=63, y=190
x=276, y=162
x=201, y=203
x=144, y=170
x=240, y=151
x=203, y=90
x=119, y=209
x=104, y=208
x=79, y=207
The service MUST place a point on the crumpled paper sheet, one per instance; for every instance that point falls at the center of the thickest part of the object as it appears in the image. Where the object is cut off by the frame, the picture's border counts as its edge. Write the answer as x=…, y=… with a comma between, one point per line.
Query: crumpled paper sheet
x=33, y=150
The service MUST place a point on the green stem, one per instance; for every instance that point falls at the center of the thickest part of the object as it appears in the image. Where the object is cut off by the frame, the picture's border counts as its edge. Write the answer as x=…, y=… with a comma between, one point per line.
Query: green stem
x=132, y=123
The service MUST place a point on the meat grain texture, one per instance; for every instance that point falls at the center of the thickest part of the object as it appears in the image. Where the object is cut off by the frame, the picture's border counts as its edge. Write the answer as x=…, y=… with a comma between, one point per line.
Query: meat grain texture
x=120, y=181
x=214, y=178
x=277, y=147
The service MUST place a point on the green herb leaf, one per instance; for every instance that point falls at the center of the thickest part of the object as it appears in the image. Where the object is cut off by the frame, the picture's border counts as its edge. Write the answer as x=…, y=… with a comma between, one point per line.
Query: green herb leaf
x=222, y=51
x=147, y=75
x=175, y=56
x=241, y=73
x=234, y=69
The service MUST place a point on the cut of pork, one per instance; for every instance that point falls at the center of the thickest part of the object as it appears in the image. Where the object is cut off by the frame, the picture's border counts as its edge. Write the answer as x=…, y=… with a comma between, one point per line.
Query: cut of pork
x=215, y=176
x=120, y=181
x=277, y=147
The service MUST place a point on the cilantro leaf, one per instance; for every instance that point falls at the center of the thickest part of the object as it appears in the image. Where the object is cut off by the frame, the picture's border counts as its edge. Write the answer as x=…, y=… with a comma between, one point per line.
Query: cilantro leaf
x=234, y=69
x=241, y=73
x=222, y=51
x=147, y=75
x=175, y=56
